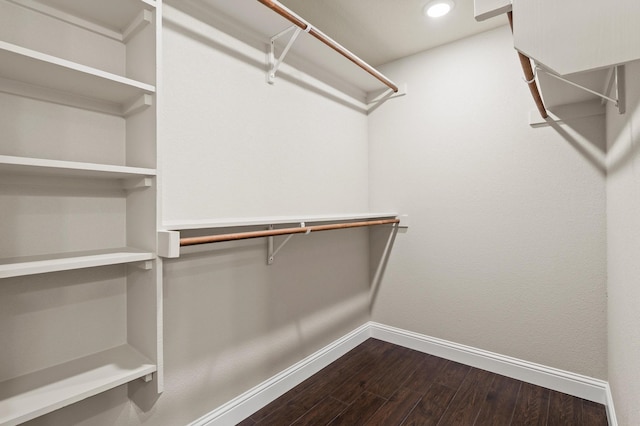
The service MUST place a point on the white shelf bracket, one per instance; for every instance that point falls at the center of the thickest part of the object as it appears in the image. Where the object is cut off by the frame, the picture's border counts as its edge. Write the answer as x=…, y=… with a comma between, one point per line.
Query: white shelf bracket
x=274, y=64
x=146, y=265
x=143, y=19
x=618, y=73
x=137, y=105
x=147, y=378
x=271, y=253
x=138, y=183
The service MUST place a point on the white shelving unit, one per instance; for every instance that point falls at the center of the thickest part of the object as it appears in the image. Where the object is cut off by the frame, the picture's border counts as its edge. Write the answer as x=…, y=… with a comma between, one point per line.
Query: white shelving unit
x=577, y=70
x=600, y=41
x=597, y=37
x=112, y=19
x=169, y=235
x=39, y=69
x=78, y=191
x=31, y=395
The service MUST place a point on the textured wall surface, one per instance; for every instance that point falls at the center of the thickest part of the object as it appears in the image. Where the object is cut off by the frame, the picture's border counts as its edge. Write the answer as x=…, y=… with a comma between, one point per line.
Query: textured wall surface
x=506, y=250
x=623, y=229
x=507, y=245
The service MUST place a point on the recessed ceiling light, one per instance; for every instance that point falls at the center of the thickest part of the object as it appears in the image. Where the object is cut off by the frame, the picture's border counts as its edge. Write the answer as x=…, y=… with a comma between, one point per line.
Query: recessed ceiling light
x=438, y=8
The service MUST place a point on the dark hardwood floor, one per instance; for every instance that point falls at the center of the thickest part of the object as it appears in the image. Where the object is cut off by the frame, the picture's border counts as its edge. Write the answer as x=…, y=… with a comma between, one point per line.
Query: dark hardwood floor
x=378, y=383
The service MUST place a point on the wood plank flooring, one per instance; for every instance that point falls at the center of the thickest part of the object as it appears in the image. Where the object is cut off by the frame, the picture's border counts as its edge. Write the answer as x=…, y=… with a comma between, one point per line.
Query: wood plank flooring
x=378, y=383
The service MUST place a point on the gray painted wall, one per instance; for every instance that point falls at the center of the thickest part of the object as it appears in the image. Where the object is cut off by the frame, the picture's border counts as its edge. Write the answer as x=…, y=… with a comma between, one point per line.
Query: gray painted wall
x=507, y=245
x=506, y=249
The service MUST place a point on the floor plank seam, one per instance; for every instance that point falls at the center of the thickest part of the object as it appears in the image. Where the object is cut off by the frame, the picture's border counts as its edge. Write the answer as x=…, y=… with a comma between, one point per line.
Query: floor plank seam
x=406, y=416
x=515, y=401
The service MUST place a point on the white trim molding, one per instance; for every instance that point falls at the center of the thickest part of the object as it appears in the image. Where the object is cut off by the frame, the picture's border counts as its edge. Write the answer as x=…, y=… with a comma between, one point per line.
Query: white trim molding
x=611, y=412
x=559, y=380
x=254, y=399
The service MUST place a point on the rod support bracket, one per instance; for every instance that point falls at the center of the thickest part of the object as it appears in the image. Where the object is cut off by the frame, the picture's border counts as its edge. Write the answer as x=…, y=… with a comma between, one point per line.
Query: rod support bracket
x=271, y=252
x=621, y=104
x=274, y=64
x=618, y=77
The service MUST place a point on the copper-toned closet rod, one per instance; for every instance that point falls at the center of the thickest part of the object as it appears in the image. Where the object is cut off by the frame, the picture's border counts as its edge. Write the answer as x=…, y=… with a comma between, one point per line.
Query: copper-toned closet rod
x=191, y=241
x=529, y=75
x=296, y=20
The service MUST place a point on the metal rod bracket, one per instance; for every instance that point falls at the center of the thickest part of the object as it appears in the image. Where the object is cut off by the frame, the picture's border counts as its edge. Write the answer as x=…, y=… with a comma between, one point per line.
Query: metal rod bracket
x=274, y=64
x=271, y=252
x=618, y=74
x=620, y=89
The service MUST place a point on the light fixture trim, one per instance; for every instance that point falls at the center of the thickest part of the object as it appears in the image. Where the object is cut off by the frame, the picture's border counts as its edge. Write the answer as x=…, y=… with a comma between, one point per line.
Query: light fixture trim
x=438, y=8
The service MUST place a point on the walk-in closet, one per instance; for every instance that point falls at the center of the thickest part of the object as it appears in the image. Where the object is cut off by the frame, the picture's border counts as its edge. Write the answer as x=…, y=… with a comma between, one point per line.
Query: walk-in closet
x=362, y=212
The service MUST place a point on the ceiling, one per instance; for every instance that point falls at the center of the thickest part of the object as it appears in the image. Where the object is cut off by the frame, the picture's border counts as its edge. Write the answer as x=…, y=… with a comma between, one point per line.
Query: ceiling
x=380, y=31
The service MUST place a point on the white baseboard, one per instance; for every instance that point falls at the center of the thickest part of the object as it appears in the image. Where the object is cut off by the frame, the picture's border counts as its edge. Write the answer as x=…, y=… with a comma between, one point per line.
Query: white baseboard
x=251, y=401
x=254, y=399
x=611, y=412
x=548, y=377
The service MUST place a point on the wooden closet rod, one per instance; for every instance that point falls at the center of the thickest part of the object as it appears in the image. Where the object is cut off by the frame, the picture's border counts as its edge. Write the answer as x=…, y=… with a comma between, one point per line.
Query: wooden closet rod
x=192, y=241
x=296, y=20
x=525, y=62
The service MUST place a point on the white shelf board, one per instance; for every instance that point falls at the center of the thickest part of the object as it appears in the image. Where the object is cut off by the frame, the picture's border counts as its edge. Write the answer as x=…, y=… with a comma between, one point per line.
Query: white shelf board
x=29, y=265
x=44, y=167
x=26, y=397
x=270, y=220
x=485, y=9
x=263, y=23
x=101, y=16
x=568, y=38
x=38, y=69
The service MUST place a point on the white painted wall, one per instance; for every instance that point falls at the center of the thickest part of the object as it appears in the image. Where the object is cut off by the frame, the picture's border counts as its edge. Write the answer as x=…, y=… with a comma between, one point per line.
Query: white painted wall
x=506, y=249
x=623, y=230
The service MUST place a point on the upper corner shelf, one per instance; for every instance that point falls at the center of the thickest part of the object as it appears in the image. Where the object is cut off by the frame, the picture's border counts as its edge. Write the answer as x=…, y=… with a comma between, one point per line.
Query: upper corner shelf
x=110, y=18
x=270, y=18
x=107, y=92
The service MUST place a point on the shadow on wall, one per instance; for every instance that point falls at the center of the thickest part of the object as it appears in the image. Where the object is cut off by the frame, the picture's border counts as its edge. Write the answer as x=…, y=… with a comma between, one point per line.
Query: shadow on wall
x=590, y=143
x=625, y=144
x=216, y=20
x=381, y=240
x=232, y=322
